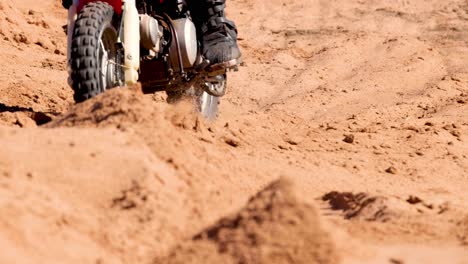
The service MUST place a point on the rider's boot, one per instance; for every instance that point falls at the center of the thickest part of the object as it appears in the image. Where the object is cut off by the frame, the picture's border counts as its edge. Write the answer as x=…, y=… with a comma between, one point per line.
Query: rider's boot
x=218, y=34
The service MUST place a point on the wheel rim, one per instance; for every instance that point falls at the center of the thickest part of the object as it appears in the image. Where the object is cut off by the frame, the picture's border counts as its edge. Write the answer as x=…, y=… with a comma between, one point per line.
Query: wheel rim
x=107, y=57
x=209, y=106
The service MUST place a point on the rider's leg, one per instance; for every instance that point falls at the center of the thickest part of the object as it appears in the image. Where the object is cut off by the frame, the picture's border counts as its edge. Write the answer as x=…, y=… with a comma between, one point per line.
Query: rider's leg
x=219, y=35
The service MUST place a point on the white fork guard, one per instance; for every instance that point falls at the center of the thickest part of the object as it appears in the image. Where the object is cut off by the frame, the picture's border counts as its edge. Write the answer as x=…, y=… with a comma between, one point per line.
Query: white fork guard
x=131, y=41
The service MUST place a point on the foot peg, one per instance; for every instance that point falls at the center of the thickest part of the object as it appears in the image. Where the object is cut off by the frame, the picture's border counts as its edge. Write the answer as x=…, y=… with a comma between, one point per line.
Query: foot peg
x=215, y=85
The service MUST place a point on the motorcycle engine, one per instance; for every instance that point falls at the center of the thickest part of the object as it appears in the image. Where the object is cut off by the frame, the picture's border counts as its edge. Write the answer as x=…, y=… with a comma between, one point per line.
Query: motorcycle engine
x=150, y=33
x=184, y=43
x=168, y=47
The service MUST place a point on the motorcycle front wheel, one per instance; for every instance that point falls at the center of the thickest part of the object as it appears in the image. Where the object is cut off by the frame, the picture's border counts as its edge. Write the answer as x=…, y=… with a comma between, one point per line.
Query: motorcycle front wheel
x=95, y=60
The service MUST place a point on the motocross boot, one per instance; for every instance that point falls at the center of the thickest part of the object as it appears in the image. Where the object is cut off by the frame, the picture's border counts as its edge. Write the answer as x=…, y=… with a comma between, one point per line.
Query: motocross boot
x=218, y=34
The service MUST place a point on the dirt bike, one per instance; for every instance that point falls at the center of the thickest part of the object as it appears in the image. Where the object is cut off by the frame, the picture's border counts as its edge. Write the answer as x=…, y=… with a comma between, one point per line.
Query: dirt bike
x=114, y=43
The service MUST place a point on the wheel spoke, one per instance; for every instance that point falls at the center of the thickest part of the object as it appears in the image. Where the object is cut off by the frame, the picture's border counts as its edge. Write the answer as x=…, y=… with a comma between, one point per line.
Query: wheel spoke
x=104, y=62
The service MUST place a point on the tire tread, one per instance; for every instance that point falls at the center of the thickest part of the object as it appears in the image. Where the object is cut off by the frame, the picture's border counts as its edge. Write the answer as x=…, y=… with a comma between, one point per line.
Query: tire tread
x=84, y=50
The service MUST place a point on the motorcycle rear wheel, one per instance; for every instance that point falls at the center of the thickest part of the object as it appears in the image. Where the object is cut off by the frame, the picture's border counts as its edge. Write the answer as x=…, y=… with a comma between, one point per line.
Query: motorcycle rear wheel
x=95, y=56
x=204, y=103
x=208, y=105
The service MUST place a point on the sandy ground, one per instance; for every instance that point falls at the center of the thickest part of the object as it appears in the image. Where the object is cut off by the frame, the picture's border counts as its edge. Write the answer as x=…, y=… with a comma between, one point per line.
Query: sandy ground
x=343, y=139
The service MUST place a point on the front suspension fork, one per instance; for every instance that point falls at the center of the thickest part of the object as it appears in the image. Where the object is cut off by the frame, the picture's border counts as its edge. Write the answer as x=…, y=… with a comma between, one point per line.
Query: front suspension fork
x=131, y=41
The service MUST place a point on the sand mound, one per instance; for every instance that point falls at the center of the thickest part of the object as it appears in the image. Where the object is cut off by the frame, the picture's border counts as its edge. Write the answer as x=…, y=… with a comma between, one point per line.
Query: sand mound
x=380, y=208
x=97, y=213
x=124, y=106
x=117, y=106
x=274, y=227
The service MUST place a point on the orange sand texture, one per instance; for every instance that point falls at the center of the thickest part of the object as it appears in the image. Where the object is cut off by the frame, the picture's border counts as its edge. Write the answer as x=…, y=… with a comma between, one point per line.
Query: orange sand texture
x=342, y=139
